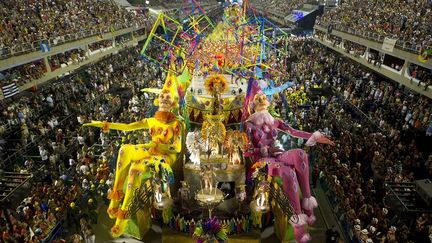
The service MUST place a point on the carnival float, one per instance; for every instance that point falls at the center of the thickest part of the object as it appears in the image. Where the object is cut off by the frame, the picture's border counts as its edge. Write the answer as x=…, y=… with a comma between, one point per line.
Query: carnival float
x=214, y=169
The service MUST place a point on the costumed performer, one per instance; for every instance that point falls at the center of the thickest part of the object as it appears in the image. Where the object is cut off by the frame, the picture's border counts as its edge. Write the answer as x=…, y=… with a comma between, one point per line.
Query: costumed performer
x=213, y=130
x=133, y=160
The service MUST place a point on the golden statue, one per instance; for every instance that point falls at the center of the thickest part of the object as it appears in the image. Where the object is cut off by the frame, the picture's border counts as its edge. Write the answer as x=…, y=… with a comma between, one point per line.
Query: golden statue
x=213, y=130
x=234, y=142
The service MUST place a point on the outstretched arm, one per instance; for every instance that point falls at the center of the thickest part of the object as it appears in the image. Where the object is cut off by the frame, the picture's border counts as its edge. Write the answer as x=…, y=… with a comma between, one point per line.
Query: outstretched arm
x=119, y=126
x=312, y=138
x=293, y=132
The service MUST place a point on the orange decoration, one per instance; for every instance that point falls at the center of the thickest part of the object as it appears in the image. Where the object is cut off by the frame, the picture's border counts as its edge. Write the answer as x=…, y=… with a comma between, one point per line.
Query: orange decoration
x=216, y=80
x=105, y=127
x=115, y=195
x=122, y=214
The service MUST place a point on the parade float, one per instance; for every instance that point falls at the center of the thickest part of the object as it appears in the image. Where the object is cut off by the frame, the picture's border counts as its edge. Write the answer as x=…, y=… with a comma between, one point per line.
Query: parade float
x=214, y=170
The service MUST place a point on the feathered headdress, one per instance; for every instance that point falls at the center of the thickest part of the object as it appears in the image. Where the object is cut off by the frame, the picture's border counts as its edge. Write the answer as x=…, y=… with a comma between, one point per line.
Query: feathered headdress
x=214, y=80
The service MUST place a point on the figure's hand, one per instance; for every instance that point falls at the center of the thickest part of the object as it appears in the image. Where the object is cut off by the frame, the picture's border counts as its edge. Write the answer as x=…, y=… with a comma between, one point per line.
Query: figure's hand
x=318, y=137
x=101, y=124
x=264, y=151
x=275, y=150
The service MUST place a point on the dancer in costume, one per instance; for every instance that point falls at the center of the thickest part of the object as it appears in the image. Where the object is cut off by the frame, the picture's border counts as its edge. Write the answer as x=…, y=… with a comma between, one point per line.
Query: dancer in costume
x=134, y=160
x=213, y=130
x=292, y=165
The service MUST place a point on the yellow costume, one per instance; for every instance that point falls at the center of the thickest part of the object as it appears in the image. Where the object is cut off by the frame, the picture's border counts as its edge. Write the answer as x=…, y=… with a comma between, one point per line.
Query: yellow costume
x=214, y=130
x=133, y=160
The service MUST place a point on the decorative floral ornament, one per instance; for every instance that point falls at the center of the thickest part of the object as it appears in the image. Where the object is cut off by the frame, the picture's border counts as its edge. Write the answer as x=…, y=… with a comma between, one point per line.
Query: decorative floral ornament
x=210, y=231
x=216, y=80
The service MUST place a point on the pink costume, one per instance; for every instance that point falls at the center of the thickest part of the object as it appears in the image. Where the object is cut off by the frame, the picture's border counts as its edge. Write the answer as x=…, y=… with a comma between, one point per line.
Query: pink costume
x=292, y=165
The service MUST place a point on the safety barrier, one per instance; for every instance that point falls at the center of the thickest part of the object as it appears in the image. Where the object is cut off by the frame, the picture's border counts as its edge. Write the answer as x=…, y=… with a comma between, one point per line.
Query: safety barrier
x=346, y=226
x=17, y=50
x=400, y=44
x=54, y=232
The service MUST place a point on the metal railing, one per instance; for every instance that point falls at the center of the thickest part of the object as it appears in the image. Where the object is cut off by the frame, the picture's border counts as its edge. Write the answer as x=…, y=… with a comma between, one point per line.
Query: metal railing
x=367, y=118
x=20, y=183
x=400, y=44
x=333, y=201
x=6, y=52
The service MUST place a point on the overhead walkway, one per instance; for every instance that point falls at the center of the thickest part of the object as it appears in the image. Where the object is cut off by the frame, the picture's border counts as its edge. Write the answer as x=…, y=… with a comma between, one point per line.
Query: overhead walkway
x=376, y=42
x=36, y=54
x=401, y=77
x=71, y=68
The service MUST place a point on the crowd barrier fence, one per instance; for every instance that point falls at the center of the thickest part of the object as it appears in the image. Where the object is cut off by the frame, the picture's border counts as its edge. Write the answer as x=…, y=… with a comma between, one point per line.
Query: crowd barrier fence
x=400, y=44
x=16, y=50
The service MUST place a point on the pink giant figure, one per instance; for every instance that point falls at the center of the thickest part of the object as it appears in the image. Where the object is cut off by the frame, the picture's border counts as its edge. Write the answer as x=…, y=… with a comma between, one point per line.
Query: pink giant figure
x=292, y=165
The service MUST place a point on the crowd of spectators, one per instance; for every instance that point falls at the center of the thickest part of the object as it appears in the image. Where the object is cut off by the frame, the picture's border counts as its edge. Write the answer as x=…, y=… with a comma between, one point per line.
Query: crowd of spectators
x=100, y=44
x=26, y=73
x=23, y=74
x=71, y=174
x=408, y=21
x=180, y=3
x=29, y=22
x=423, y=75
x=376, y=127
x=278, y=6
x=66, y=58
x=354, y=48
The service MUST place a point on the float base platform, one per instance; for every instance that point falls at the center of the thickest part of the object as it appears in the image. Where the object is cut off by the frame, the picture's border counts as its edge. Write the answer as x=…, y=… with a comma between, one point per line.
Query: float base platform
x=170, y=236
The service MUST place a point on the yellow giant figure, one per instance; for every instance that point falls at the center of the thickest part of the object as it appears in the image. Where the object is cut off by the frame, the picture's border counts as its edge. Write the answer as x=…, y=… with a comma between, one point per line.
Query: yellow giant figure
x=133, y=160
